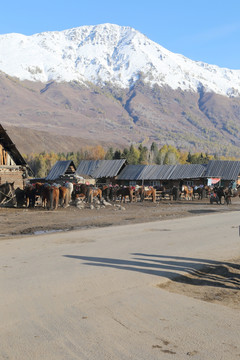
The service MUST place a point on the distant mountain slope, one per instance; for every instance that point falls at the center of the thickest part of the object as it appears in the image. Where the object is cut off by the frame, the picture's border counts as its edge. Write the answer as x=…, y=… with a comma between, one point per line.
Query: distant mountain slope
x=119, y=117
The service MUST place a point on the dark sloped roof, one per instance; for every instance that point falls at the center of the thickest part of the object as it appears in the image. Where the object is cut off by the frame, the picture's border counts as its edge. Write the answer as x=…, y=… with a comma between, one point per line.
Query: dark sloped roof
x=59, y=169
x=187, y=171
x=162, y=172
x=224, y=169
x=100, y=168
x=156, y=172
x=145, y=172
x=132, y=172
x=11, y=149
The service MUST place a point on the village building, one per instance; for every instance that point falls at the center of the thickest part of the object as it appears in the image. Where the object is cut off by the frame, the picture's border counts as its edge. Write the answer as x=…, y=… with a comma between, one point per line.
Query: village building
x=62, y=171
x=65, y=171
x=216, y=172
x=13, y=167
x=104, y=171
x=223, y=173
x=162, y=175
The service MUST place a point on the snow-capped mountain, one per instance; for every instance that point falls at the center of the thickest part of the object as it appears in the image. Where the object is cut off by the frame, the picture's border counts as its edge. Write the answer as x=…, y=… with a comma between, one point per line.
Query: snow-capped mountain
x=109, y=53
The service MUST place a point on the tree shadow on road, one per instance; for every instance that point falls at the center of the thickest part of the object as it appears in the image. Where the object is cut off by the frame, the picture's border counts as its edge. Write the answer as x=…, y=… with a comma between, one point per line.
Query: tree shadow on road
x=194, y=271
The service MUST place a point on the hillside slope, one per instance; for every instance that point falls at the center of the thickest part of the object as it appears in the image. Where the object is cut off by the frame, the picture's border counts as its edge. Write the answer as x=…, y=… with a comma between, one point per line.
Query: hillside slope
x=187, y=120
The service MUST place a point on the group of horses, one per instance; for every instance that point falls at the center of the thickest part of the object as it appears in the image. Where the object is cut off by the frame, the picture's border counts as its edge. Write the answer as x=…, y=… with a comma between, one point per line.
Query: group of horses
x=113, y=193
x=224, y=194
x=218, y=194
x=50, y=196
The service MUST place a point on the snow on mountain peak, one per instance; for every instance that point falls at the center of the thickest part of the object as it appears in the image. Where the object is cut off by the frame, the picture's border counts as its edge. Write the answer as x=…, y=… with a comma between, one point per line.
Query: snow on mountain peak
x=108, y=53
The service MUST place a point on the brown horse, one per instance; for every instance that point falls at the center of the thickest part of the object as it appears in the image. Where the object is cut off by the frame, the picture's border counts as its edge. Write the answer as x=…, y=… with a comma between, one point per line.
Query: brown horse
x=64, y=196
x=43, y=190
x=151, y=192
x=95, y=192
x=145, y=192
x=30, y=195
x=49, y=195
x=54, y=197
x=187, y=192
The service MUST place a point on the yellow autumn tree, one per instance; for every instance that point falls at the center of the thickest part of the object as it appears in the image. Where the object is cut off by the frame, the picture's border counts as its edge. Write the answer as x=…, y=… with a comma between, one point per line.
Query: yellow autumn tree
x=97, y=152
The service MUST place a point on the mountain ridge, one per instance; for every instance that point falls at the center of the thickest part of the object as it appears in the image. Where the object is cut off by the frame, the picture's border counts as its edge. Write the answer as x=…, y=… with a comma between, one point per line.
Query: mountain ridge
x=137, y=109
x=107, y=53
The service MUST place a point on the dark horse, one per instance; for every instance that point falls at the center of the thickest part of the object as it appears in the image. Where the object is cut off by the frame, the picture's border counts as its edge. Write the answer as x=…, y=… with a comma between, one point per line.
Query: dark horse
x=30, y=195
x=220, y=191
x=7, y=194
x=109, y=192
x=125, y=192
x=200, y=191
x=49, y=195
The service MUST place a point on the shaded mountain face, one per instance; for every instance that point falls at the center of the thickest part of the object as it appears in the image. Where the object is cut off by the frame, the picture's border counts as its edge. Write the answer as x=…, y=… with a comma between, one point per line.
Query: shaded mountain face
x=111, y=85
x=69, y=116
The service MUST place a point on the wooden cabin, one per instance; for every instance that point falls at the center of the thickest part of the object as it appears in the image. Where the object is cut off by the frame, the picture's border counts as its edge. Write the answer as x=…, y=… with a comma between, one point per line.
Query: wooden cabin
x=13, y=167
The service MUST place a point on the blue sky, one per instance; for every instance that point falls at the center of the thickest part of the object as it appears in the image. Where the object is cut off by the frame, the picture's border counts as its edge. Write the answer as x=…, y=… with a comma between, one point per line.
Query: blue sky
x=206, y=30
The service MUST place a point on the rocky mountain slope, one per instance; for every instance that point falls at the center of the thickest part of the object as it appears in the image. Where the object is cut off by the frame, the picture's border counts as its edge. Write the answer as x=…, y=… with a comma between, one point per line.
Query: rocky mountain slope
x=113, y=85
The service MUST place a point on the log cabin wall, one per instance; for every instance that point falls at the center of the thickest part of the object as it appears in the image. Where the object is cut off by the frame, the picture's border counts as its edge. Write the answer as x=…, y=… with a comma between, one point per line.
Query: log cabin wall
x=14, y=174
x=3, y=156
x=9, y=171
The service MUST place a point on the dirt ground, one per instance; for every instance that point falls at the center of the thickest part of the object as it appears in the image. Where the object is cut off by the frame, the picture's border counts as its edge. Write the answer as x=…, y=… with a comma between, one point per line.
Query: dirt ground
x=27, y=221
x=215, y=282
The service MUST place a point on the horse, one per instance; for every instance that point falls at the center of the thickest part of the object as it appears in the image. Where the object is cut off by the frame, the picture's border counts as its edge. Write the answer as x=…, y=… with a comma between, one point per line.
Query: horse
x=175, y=193
x=137, y=192
x=54, y=197
x=124, y=192
x=235, y=192
x=20, y=197
x=107, y=192
x=200, y=191
x=187, y=192
x=43, y=190
x=220, y=191
x=64, y=196
x=95, y=192
x=81, y=191
x=30, y=195
x=70, y=187
x=49, y=195
x=229, y=193
x=148, y=192
x=208, y=190
x=7, y=194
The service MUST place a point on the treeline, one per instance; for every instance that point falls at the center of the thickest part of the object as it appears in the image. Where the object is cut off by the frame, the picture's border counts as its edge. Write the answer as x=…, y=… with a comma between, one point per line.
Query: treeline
x=165, y=155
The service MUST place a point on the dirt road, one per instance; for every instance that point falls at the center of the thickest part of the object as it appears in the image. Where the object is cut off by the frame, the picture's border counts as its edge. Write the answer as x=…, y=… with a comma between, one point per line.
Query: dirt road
x=28, y=221
x=105, y=293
